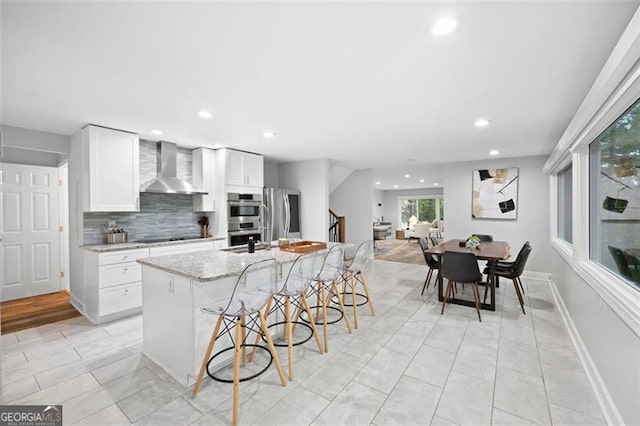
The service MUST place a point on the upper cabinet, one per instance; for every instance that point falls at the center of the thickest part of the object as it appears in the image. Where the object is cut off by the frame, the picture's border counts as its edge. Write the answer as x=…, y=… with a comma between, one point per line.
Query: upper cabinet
x=204, y=178
x=110, y=170
x=243, y=168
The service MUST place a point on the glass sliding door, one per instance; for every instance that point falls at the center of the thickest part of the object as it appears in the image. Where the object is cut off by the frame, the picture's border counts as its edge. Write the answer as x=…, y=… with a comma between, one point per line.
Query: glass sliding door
x=422, y=209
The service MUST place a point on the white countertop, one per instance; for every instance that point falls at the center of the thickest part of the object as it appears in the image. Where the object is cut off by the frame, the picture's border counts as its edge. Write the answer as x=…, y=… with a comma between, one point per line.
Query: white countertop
x=213, y=265
x=102, y=248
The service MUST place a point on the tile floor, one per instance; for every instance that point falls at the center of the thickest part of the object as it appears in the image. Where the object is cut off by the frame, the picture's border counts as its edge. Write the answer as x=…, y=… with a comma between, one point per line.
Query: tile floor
x=408, y=364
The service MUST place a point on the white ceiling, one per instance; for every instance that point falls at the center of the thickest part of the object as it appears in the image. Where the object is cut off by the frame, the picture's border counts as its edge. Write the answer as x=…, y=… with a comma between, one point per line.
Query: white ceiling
x=364, y=84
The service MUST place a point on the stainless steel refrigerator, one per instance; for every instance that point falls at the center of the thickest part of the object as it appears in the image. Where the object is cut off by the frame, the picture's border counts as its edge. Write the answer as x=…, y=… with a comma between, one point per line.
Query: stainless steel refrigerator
x=281, y=218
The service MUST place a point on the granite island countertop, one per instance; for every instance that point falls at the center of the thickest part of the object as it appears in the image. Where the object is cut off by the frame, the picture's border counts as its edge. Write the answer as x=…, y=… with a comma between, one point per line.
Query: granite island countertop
x=104, y=248
x=214, y=265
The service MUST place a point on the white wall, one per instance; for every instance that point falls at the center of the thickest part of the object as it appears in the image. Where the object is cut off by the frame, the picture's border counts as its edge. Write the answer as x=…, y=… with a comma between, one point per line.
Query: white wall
x=378, y=204
x=353, y=199
x=35, y=140
x=611, y=344
x=532, y=223
x=311, y=178
x=33, y=147
x=390, y=203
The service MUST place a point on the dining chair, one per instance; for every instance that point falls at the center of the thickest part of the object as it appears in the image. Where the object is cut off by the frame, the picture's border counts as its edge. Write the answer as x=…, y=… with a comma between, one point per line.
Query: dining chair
x=513, y=271
x=458, y=267
x=353, y=273
x=633, y=263
x=325, y=287
x=431, y=262
x=503, y=264
x=243, y=312
x=621, y=261
x=292, y=292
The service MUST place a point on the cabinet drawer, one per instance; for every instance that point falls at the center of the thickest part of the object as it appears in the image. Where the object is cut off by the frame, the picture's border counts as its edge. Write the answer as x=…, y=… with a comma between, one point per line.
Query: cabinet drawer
x=181, y=248
x=120, y=298
x=120, y=273
x=122, y=256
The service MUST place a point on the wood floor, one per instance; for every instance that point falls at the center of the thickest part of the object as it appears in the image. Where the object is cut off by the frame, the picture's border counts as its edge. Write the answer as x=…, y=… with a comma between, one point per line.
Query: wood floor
x=399, y=251
x=31, y=312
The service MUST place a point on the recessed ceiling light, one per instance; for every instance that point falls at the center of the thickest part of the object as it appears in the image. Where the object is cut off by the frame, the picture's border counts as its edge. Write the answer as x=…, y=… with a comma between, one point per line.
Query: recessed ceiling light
x=435, y=184
x=269, y=134
x=494, y=152
x=407, y=176
x=421, y=180
x=377, y=183
x=444, y=26
x=395, y=186
x=156, y=132
x=203, y=113
x=482, y=122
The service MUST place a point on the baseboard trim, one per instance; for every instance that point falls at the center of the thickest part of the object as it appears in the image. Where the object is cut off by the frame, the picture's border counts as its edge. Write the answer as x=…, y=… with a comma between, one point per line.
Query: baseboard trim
x=533, y=275
x=608, y=406
x=80, y=308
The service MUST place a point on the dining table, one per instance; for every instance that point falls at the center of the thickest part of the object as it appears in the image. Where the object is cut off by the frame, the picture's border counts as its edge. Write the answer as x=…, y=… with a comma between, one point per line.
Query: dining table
x=491, y=251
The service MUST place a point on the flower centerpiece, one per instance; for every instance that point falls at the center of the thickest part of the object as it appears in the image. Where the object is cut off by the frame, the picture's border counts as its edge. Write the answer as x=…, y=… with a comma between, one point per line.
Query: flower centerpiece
x=473, y=242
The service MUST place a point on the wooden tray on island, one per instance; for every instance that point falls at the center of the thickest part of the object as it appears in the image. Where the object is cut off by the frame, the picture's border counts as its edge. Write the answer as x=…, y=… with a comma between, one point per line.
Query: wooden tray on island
x=304, y=246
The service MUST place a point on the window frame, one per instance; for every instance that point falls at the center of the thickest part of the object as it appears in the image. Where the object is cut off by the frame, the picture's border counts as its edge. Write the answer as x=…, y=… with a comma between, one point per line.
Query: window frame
x=439, y=198
x=614, y=91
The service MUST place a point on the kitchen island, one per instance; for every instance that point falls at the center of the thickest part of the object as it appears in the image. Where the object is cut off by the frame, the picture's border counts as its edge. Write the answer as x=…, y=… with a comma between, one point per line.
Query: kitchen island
x=174, y=288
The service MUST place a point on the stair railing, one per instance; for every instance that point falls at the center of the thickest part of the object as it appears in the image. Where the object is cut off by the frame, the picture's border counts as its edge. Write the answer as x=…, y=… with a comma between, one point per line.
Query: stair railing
x=336, y=227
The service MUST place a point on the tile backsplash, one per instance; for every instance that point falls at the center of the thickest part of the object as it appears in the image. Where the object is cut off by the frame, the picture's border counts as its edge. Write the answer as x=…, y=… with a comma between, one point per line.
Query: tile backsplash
x=160, y=215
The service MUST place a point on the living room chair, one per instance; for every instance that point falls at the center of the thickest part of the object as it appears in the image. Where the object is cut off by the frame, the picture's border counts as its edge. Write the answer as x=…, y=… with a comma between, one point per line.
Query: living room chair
x=420, y=230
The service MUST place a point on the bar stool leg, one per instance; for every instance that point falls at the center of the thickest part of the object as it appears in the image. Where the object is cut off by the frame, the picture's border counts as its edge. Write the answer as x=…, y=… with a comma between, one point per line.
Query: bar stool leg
x=366, y=292
x=288, y=331
x=207, y=354
x=323, y=302
x=274, y=354
x=353, y=300
x=334, y=289
x=305, y=304
x=236, y=368
x=267, y=310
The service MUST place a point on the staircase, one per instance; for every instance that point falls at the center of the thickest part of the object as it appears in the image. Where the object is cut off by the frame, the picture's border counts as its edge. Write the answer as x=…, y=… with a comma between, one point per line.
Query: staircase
x=336, y=227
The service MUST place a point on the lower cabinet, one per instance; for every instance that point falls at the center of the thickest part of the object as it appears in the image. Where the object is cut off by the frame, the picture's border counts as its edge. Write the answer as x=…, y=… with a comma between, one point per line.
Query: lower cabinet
x=120, y=298
x=113, y=284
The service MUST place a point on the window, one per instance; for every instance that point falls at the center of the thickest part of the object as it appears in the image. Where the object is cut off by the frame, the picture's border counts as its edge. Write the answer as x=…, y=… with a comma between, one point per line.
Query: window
x=614, y=198
x=565, y=203
x=424, y=209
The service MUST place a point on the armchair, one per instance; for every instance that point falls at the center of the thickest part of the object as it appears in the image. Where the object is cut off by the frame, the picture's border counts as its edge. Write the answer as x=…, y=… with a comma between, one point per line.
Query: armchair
x=437, y=228
x=420, y=230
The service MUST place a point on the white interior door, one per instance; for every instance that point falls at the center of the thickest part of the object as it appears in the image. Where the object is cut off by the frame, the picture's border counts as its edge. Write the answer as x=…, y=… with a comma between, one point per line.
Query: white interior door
x=29, y=226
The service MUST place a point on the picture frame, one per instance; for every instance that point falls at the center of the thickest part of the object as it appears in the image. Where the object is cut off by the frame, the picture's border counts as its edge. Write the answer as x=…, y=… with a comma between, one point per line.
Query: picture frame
x=495, y=193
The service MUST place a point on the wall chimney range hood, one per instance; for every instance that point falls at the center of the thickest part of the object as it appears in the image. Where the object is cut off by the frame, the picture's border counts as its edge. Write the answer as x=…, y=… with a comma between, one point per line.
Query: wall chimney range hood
x=167, y=181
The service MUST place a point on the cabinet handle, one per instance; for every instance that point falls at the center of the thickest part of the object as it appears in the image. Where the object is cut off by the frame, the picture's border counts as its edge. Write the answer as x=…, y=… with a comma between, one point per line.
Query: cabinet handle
x=125, y=257
x=124, y=271
x=126, y=290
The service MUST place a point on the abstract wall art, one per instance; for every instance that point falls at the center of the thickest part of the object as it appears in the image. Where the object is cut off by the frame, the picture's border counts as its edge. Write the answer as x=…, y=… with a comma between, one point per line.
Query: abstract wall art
x=495, y=194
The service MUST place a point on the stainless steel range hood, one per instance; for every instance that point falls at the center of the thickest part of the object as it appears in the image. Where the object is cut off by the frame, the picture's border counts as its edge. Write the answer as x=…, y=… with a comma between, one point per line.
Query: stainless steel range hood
x=167, y=181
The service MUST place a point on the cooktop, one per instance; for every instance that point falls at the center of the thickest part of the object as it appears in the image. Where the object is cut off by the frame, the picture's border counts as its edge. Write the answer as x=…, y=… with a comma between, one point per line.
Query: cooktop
x=164, y=240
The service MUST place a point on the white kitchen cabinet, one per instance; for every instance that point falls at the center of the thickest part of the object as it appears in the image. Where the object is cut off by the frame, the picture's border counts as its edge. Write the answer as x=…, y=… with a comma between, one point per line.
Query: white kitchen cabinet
x=203, y=161
x=110, y=169
x=166, y=320
x=113, y=284
x=180, y=248
x=243, y=168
